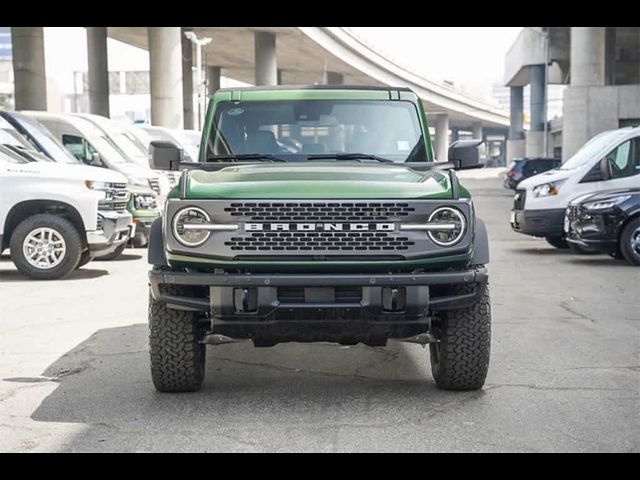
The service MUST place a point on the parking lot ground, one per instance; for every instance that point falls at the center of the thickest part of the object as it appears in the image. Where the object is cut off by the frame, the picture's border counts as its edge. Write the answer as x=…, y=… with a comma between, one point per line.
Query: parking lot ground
x=564, y=375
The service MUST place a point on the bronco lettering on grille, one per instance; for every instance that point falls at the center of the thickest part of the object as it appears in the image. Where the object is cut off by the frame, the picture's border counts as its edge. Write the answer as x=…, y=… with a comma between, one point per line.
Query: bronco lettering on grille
x=326, y=227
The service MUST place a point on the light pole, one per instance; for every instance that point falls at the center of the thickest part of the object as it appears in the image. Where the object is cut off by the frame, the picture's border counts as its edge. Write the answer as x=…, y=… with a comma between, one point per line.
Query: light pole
x=199, y=43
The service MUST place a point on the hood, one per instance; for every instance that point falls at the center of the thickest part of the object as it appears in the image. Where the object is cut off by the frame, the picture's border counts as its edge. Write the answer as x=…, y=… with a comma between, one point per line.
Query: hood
x=604, y=196
x=545, y=177
x=317, y=180
x=71, y=172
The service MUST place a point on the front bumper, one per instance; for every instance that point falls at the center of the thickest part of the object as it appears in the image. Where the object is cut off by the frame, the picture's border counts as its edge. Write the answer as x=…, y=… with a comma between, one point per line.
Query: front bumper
x=597, y=232
x=538, y=223
x=274, y=308
x=116, y=230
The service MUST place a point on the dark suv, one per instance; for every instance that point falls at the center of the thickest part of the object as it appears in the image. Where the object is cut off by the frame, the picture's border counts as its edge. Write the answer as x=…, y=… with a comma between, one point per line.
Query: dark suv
x=523, y=168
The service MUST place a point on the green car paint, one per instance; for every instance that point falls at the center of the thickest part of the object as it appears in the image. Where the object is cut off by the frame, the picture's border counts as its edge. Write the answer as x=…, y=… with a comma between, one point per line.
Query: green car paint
x=317, y=180
x=140, y=214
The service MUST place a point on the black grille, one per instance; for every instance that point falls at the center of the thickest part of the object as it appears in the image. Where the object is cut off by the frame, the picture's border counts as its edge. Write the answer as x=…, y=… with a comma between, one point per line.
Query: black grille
x=572, y=213
x=519, y=199
x=321, y=212
x=108, y=205
x=341, y=294
x=314, y=241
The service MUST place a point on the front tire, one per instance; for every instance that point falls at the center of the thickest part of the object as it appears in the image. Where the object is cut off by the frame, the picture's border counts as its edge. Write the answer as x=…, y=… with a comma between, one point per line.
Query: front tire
x=460, y=360
x=45, y=247
x=557, y=242
x=175, y=346
x=630, y=241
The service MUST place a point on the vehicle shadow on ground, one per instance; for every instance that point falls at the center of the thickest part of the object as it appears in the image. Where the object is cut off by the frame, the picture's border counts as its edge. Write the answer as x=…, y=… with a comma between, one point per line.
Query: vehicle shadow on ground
x=286, y=397
x=125, y=257
x=543, y=251
x=81, y=274
x=600, y=261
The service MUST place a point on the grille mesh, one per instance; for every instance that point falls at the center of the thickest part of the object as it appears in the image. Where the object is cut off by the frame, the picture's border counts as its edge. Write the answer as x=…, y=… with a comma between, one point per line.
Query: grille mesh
x=319, y=212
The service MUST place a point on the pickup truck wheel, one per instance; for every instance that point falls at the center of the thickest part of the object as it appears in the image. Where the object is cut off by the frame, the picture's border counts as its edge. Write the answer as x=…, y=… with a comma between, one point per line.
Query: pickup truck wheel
x=557, y=242
x=177, y=354
x=45, y=247
x=460, y=360
x=630, y=241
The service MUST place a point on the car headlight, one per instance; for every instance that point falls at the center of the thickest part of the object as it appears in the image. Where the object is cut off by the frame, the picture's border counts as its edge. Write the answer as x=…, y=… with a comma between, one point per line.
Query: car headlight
x=144, y=202
x=548, y=189
x=447, y=226
x=604, y=205
x=189, y=217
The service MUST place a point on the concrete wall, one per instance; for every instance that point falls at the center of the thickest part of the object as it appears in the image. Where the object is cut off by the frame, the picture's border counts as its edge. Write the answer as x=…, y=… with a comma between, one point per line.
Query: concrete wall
x=591, y=110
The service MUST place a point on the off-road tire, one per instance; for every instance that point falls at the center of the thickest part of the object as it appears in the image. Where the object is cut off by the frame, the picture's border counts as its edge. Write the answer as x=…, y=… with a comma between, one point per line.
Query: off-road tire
x=460, y=360
x=177, y=354
x=557, y=242
x=115, y=254
x=625, y=241
x=63, y=227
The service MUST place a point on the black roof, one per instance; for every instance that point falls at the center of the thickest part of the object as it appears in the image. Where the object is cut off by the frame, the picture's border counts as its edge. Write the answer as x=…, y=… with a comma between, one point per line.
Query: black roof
x=313, y=87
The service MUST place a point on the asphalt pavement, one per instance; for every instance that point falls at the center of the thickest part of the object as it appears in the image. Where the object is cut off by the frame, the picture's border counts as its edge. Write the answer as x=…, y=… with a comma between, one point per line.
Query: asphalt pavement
x=564, y=374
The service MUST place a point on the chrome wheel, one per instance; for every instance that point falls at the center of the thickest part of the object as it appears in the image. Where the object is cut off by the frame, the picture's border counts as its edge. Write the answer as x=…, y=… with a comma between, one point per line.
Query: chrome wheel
x=44, y=248
x=635, y=241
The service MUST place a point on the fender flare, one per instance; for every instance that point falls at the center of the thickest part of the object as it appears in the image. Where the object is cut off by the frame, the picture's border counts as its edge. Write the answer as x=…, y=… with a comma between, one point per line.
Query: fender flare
x=156, y=253
x=480, y=244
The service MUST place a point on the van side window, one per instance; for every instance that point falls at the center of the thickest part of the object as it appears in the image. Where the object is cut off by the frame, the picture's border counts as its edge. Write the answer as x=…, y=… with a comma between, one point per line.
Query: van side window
x=76, y=146
x=625, y=160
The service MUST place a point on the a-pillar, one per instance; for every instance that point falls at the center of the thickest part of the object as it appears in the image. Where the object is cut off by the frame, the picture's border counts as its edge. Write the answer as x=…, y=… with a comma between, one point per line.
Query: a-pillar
x=165, y=65
x=581, y=120
x=30, y=80
x=515, y=143
x=441, y=140
x=187, y=80
x=213, y=79
x=266, y=63
x=535, y=135
x=98, y=63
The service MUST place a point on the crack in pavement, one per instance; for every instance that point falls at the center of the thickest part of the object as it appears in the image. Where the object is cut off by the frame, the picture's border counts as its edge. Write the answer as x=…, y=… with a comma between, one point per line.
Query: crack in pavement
x=567, y=308
x=548, y=388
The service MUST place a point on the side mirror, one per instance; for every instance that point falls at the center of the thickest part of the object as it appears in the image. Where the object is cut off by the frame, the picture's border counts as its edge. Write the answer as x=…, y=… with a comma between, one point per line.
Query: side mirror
x=605, y=169
x=601, y=171
x=464, y=154
x=165, y=156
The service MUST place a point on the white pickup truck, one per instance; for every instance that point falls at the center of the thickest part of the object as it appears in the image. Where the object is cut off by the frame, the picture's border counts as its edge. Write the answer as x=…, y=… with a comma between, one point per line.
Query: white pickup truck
x=55, y=218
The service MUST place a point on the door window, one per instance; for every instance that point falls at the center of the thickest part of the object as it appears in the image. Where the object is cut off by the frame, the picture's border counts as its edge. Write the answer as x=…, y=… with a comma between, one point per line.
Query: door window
x=77, y=147
x=624, y=161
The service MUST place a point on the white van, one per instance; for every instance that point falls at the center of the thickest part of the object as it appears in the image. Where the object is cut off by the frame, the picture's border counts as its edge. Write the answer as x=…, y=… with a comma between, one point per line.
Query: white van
x=609, y=161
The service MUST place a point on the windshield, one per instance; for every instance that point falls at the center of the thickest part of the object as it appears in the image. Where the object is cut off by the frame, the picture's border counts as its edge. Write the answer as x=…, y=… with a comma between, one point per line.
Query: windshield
x=299, y=129
x=594, y=147
x=107, y=151
x=7, y=156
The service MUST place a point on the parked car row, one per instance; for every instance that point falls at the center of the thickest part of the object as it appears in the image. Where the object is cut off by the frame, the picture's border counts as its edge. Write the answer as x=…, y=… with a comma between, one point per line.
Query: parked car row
x=74, y=187
x=591, y=203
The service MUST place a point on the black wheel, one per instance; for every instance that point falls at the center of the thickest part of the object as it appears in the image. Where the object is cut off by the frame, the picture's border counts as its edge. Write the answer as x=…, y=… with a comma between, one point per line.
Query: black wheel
x=460, y=360
x=85, y=258
x=630, y=241
x=557, y=242
x=115, y=254
x=46, y=247
x=177, y=354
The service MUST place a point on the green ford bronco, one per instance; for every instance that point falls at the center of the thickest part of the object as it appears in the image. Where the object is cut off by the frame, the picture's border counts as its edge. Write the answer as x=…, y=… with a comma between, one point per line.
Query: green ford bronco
x=318, y=214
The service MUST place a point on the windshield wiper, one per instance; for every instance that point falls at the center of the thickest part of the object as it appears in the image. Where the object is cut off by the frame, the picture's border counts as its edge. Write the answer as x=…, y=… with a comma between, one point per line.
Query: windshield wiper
x=244, y=156
x=349, y=156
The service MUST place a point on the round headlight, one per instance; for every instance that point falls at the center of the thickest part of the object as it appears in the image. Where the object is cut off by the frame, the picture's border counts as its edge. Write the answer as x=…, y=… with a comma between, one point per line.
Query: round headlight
x=183, y=224
x=452, y=223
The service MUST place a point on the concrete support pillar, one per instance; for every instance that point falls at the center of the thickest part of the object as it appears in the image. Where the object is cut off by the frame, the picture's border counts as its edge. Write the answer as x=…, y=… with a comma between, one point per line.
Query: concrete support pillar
x=538, y=97
x=516, y=129
x=333, y=78
x=266, y=63
x=165, y=64
x=478, y=133
x=30, y=79
x=187, y=81
x=516, y=143
x=441, y=140
x=588, y=58
x=213, y=79
x=455, y=134
x=98, y=63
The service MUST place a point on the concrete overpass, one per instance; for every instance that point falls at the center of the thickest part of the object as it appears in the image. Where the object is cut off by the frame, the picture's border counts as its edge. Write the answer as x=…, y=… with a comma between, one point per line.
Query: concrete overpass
x=266, y=56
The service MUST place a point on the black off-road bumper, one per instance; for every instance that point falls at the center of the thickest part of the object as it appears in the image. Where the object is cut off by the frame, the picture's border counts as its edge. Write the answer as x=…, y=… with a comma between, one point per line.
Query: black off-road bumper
x=347, y=308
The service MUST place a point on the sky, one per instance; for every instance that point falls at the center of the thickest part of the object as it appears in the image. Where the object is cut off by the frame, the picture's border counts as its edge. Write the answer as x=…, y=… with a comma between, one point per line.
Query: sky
x=471, y=57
